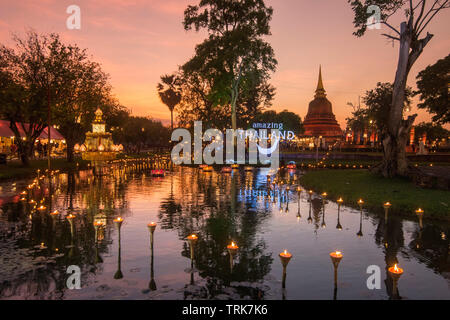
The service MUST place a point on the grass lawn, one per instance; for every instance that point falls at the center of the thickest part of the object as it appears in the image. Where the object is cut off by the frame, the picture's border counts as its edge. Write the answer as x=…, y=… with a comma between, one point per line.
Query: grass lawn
x=15, y=170
x=357, y=163
x=405, y=197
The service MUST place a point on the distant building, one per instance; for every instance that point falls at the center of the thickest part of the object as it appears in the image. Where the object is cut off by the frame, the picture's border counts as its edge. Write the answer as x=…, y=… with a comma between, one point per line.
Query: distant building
x=7, y=137
x=320, y=120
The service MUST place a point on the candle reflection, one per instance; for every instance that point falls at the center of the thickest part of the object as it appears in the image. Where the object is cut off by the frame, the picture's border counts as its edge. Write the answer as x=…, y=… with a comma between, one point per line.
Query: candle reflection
x=118, y=222
x=336, y=258
x=339, y=202
x=232, y=250
x=285, y=257
x=360, y=203
x=152, y=283
x=310, y=207
x=395, y=273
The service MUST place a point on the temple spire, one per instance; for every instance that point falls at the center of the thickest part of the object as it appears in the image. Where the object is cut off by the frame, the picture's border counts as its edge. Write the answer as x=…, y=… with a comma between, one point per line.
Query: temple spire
x=320, y=91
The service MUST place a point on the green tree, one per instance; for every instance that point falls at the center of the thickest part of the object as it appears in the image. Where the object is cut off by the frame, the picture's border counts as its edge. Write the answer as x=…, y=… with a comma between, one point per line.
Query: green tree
x=137, y=133
x=433, y=86
x=418, y=15
x=83, y=87
x=290, y=120
x=378, y=102
x=169, y=93
x=26, y=87
x=374, y=114
x=234, y=60
x=433, y=131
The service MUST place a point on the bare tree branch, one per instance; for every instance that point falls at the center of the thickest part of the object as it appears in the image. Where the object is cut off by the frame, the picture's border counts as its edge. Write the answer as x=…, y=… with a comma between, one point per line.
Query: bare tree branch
x=390, y=37
x=443, y=6
x=426, y=15
x=391, y=27
x=418, y=4
x=417, y=48
x=420, y=14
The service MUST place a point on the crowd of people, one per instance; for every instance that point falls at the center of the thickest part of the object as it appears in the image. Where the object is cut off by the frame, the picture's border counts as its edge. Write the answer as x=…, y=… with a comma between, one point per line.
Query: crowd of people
x=40, y=149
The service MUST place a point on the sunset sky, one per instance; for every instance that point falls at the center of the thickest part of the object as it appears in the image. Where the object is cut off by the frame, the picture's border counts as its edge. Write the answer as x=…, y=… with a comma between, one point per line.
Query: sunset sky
x=136, y=41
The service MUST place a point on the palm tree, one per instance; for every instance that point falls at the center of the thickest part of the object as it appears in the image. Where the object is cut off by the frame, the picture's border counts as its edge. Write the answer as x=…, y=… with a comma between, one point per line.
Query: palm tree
x=168, y=90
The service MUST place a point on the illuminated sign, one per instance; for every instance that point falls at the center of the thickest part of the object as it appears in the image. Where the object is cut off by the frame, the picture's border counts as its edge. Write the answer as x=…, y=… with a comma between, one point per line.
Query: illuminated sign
x=282, y=134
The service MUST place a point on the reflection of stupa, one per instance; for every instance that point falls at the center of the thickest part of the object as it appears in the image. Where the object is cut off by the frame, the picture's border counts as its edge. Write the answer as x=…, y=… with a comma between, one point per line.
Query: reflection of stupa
x=320, y=120
x=98, y=146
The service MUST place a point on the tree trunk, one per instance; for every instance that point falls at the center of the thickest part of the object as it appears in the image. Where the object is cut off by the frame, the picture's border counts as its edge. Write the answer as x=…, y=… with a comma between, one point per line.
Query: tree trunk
x=70, y=145
x=396, y=135
x=24, y=158
x=233, y=111
x=24, y=150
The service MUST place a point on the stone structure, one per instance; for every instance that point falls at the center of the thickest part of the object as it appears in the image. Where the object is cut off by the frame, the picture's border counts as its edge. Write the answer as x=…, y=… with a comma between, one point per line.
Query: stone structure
x=320, y=120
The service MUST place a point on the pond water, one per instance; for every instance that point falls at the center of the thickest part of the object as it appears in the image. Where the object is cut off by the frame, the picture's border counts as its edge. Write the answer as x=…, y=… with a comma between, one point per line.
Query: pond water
x=36, y=248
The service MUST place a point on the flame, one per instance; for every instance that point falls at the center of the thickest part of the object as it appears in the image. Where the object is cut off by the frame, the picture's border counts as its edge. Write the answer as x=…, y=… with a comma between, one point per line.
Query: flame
x=233, y=244
x=338, y=253
x=395, y=268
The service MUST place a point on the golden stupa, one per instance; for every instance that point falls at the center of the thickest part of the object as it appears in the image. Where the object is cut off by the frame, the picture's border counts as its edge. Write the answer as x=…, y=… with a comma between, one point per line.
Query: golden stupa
x=99, y=146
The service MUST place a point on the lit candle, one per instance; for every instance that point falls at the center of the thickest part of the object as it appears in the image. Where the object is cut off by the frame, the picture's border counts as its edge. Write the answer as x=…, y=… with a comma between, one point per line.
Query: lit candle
x=118, y=222
x=324, y=194
x=192, y=237
x=42, y=208
x=151, y=226
x=360, y=202
x=98, y=224
x=285, y=257
x=340, y=201
x=232, y=248
x=419, y=213
x=54, y=213
x=395, y=273
x=386, y=207
x=70, y=216
x=395, y=270
x=336, y=255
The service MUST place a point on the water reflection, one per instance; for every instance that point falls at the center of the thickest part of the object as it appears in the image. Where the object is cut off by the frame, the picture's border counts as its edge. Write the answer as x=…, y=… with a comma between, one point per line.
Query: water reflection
x=78, y=228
